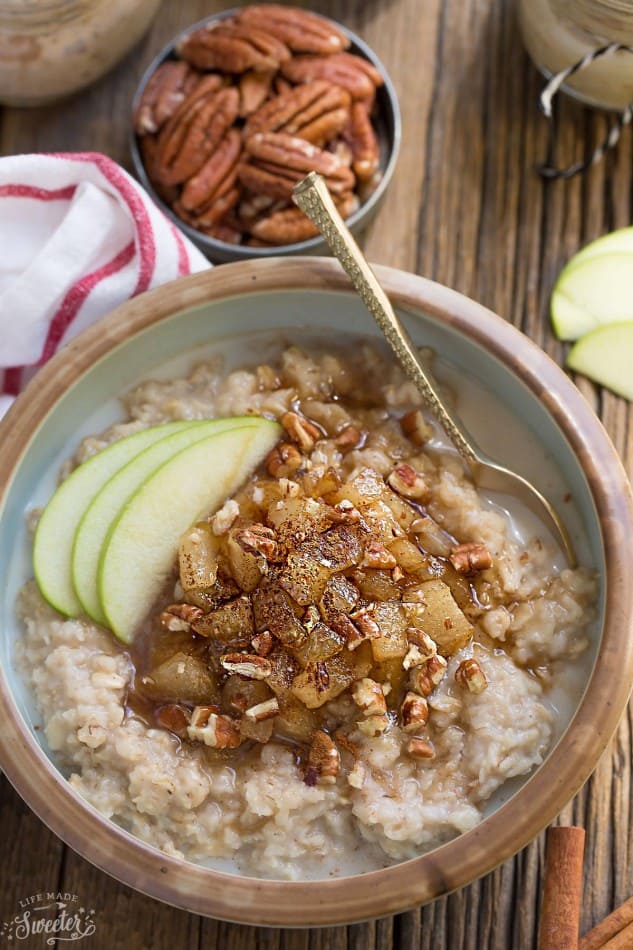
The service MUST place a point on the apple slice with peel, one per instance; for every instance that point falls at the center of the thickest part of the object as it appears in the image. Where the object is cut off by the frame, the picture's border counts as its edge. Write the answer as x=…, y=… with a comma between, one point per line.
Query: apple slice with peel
x=102, y=511
x=56, y=528
x=596, y=291
x=617, y=242
x=142, y=545
x=606, y=356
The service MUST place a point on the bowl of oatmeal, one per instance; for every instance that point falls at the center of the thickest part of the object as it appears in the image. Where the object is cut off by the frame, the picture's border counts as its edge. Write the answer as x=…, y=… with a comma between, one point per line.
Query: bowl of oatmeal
x=360, y=682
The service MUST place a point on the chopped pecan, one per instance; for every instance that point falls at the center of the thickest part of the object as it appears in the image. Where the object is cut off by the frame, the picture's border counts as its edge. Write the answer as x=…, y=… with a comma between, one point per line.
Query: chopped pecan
x=301, y=30
x=376, y=555
x=366, y=624
x=233, y=48
x=324, y=760
x=179, y=617
x=216, y=177
x=316, y=111
x=174, y=718
x=471, y=557
x=470, y=674
x=373, y=726
x=420, y=748
x=357, y=774
x=360, y=135
x=193, y=133
x=415, y=657
x=254, y=88
x=258, y=538
x=368, y=695
x=348, y=438
x=415, y=427
x=342, y=625
x=425, y=678
x=262, y=711
x=405, y=481
x=248, y=665
x=414, y=712
x=223, y=519
x=283, y=460
x=300, y=430
x=216, y=731
x=425, y=644
x=166, y=89
x=339, y=71
x=263, y=643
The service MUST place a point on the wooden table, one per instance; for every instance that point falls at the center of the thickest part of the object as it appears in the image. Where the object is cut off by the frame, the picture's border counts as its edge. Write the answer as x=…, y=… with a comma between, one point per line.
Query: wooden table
x=467, y=209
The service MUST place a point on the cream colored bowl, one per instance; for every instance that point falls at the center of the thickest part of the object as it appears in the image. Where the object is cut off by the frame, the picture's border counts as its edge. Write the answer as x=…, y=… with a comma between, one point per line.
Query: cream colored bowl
x=76, y=394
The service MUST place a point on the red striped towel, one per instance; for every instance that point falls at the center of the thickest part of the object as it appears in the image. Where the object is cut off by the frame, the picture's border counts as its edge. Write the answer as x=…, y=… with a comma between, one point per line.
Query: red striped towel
x=78, y=237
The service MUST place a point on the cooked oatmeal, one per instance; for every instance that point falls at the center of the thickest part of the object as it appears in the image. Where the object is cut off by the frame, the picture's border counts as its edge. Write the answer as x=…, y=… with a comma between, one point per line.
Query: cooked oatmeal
x=369, y=657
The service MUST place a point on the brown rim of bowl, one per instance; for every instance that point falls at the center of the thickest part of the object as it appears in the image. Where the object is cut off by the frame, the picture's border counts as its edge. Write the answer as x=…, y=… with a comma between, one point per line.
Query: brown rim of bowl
x=460, y=861
x=220, y=251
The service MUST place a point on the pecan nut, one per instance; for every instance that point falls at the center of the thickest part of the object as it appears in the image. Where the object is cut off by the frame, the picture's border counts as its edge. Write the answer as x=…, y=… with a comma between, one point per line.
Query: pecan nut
x=300, y=30
x=405, y=481
x=360, y=135
x=316, y=112
x=420, y=748
x=248, y=665
x=254, y=90
x=179, y=617
x=324, y=760
x=232, y=47
x=277, y=161
x=470, y=674
x=284, y=227
x=216, y=177
x=300, y=430
x=193, y=133
x=369, y=697
x=470, y=558
x=414, y=712
x=216, y=731
x=341, y=70
x=166, y=89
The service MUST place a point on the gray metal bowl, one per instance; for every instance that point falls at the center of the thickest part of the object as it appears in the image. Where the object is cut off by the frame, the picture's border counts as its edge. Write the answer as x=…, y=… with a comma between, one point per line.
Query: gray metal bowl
x=388, y=125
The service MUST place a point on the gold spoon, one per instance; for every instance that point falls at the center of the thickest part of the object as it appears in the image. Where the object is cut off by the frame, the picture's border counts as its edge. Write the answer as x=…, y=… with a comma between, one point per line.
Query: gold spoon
x=313, y=197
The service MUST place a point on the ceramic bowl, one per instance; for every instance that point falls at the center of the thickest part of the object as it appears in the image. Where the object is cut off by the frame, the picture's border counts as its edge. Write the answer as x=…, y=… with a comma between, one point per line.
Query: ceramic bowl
x=75, y=393
x=388, y=126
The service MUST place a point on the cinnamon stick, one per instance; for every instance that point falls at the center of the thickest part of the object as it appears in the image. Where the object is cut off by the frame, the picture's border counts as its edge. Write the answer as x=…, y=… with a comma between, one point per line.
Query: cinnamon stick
x=560, y=911
x=620, y=920
x=621, y=941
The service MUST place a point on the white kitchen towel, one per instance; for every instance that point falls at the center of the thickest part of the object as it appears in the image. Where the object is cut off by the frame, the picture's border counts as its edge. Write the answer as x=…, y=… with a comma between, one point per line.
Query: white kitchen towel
x=78, y=236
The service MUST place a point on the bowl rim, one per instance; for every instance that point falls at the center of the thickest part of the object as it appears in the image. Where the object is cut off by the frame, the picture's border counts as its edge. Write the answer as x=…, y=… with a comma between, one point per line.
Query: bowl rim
x=399, y=887
x=312, y=245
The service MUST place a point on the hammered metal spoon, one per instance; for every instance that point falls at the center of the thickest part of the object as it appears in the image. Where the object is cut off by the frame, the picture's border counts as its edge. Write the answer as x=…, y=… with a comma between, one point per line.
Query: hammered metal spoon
x=313, y=197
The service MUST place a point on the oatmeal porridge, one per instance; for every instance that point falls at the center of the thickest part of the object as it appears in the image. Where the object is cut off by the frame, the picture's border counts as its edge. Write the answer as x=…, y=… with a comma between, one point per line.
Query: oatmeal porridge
x=354, y=653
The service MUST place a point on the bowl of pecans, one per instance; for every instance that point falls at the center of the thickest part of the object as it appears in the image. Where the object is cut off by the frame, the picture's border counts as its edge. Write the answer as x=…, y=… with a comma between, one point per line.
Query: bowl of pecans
x=241, y=106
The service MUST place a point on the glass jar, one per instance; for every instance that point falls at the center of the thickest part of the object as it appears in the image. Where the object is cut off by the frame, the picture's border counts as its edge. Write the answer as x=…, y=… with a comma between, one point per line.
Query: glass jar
x=52, y=48
x=558, y=33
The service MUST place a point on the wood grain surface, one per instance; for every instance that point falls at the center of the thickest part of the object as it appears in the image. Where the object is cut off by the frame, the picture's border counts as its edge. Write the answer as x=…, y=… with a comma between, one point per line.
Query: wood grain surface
x=467, y=208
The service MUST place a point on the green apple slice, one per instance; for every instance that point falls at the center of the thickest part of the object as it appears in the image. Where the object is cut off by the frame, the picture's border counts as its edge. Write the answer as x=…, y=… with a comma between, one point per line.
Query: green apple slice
x=142, y=545
x=617, y=242
x=596, y=291
x=606, y=356
x=102, y=511
x=56, y=528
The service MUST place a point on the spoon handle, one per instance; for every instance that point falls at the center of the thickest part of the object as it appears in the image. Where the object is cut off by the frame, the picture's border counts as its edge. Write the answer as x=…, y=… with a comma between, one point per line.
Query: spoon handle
x=313, y=197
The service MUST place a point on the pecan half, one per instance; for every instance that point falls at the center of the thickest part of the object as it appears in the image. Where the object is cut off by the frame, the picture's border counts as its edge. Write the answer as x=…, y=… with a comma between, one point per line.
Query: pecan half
x=360, y=135
x=216, y=177
x=179, y=617
x=316, y=112
x=416, y=428
x=166, y=89
x=284, y=227
x=283, y=460
x=425, y=678
x=254, y=90
x=471, y=557
x=300, y=30
x=233, y=48
x=338, y=70
x=193, y=133
x=276, y=161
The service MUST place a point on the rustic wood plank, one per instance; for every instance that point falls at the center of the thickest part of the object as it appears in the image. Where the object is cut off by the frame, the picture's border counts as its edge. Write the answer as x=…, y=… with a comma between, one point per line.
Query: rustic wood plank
x=466, y=208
